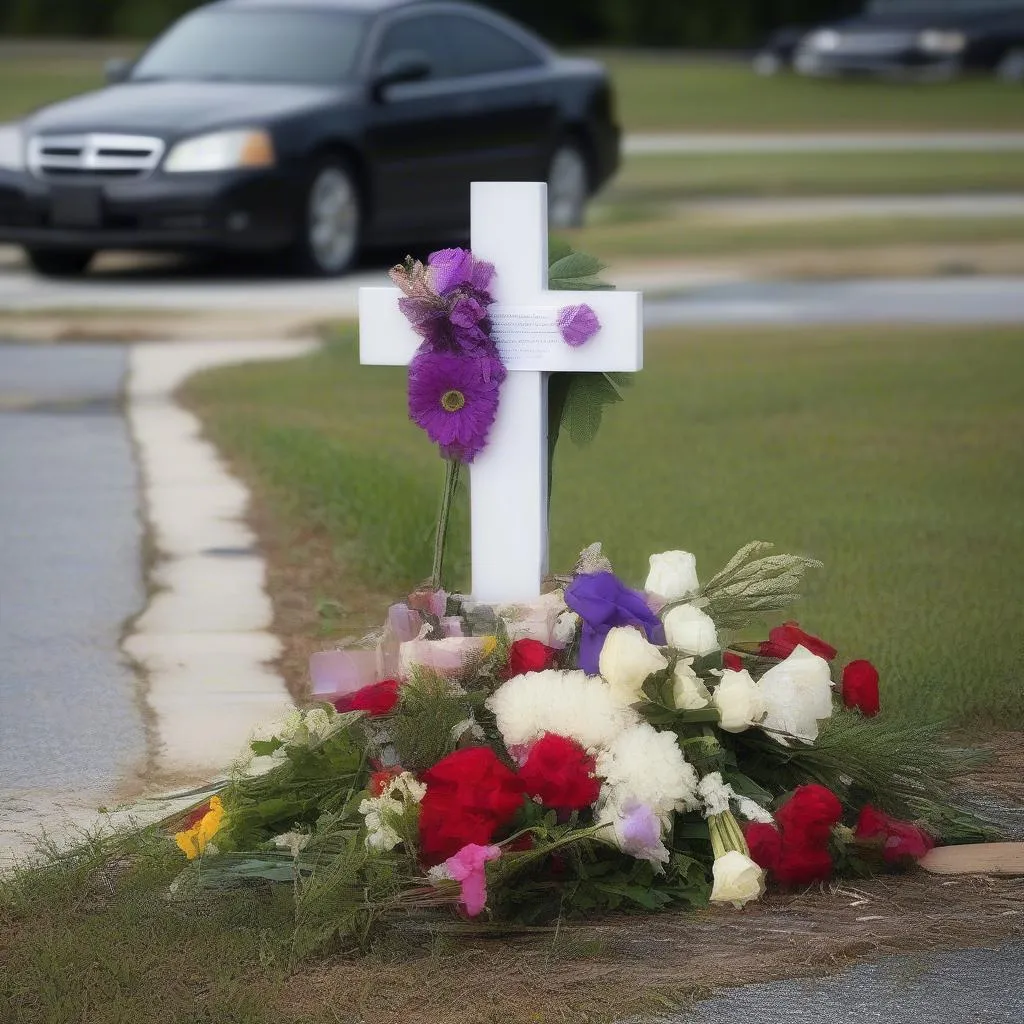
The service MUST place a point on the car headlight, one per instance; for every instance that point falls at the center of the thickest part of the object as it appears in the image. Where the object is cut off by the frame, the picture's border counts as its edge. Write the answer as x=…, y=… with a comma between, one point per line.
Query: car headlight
x=935, y=40
x=12, y=148
x=824, y=39
x=222, y=151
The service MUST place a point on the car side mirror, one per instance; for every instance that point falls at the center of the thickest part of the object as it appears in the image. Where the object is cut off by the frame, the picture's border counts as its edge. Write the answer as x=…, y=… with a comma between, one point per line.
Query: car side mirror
x=117, y=69
x=400, y=67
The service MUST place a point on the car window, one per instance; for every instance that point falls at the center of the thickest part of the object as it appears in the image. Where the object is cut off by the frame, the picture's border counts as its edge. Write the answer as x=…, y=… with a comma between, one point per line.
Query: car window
x=257, y=46
x=480, y=48
x=416, y=35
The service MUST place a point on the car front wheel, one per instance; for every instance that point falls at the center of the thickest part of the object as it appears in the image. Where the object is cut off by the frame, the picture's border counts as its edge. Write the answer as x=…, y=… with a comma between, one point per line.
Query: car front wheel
x=568, y=187
x=59, y=262
x=327, y=239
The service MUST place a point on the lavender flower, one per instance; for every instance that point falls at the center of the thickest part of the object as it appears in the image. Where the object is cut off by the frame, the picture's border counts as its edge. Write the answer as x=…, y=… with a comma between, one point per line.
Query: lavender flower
x=578, y=324
x=455, y=400
x=449, y=269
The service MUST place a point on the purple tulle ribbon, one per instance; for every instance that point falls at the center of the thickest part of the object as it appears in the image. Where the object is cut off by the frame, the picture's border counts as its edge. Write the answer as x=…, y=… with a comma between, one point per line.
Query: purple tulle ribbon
x=578, y=324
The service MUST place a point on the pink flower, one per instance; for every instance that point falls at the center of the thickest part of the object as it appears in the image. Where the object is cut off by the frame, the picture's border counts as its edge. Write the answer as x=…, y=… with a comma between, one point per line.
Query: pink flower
x=446, y=657
x=337, y=673
x=467, y=868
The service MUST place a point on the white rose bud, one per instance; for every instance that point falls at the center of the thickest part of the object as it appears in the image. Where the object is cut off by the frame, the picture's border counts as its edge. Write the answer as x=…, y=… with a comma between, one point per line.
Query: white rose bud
x=688, y=691
x=626, y=660
x=797, y=694
x=737, y=879
x=691, y=630
x=739, y=701
x=673, y=575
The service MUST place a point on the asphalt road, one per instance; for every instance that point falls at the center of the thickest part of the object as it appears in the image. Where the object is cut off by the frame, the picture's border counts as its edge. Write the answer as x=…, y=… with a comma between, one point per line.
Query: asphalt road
x=667, y=143
x=70, y=573
x=974, y=986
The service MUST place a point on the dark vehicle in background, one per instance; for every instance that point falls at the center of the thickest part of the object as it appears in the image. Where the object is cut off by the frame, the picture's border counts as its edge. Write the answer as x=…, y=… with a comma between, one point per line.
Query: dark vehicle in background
x=916, y=39
x=309, y=128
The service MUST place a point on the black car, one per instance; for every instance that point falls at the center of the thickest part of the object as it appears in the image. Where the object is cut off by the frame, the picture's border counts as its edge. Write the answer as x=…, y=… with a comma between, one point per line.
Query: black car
x=308, y=128
x=919, y=39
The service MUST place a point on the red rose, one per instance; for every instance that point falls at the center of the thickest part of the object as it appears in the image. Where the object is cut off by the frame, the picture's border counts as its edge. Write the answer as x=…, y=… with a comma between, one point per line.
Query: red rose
x=800, y=864
x=528, y=656
x=559, y=771
x=732, y=662
x=785, y=639
x=900, y=839
x=470, y=795
x=765, y=844
x=806, y=819
x=860, y=687
x=376, y=699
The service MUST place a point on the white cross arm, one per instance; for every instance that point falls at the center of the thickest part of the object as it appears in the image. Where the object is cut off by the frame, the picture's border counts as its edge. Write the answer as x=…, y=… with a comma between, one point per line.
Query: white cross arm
x=526, y=332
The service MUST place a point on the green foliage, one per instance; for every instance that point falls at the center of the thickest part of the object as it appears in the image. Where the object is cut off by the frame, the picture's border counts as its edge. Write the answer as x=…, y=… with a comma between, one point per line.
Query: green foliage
x=752, y=584
x=431, y=707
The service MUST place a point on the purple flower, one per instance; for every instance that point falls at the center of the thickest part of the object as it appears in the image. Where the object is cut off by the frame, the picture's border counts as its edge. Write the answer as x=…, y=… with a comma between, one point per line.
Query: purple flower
x=603, y=602
x=455, y=400
x=467, y=312
x=450, y=268
x=578, y=324
x=640, y=833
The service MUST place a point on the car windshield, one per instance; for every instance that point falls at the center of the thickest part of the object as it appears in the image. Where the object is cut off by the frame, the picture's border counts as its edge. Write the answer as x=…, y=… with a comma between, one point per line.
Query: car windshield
x=316, y=47
x=942, y=6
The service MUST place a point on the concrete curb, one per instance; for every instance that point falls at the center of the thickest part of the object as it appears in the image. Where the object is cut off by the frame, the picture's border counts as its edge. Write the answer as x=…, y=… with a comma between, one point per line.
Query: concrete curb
x=203, y=639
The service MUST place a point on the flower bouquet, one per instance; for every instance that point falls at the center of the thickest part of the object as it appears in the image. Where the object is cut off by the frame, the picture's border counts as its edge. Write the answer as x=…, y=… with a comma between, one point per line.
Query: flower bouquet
x=601, y=748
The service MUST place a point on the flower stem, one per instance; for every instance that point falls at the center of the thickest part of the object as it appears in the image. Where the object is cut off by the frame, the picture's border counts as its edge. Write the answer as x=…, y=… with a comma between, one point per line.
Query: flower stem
x=451, y=483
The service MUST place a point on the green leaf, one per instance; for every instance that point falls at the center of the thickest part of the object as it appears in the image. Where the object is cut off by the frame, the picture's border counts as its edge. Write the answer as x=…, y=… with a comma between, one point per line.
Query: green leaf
x=264, y=748
x=573, y=267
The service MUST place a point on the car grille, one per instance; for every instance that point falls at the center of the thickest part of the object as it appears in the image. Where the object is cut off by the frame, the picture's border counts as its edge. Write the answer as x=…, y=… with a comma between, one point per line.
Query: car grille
x=115, y=156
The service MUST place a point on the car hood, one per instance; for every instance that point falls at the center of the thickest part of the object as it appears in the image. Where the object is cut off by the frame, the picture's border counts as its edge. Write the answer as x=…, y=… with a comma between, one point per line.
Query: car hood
x=173, y=109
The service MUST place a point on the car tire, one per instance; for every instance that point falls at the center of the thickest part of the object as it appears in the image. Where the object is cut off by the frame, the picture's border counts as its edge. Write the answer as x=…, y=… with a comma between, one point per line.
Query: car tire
x=59, y=262
x=329, y=221
x=568, y=187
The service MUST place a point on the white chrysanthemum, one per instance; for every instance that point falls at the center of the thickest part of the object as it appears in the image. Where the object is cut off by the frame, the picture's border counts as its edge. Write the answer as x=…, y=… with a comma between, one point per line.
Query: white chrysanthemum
x=647, y=766
x=294, y=842
x=570, y=704
x=752, y=810
x=381, y=812
x=715, y=793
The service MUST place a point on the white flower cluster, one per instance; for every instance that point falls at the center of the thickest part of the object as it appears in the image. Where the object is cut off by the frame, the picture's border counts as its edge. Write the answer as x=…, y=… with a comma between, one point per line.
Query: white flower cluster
x=380, y=812
x=788, y=701
x=304, y=728
x=717, y=796
x=647, y=766
x=571, y=704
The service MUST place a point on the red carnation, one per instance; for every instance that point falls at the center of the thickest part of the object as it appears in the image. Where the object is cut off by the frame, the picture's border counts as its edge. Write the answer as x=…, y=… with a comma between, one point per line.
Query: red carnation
x=376, y=699
x=900, y=839
x=785, y=639
x=802, y=864
x=528, y=656
x=559, y=772
x=732, y=662
x=470, y=795
x=860, y=687
x=765, y=844
x=807, y=817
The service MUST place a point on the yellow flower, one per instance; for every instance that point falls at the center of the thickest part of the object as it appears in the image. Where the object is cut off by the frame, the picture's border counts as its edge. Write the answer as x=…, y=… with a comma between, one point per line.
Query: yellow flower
x=193, y=841
x=490, y=645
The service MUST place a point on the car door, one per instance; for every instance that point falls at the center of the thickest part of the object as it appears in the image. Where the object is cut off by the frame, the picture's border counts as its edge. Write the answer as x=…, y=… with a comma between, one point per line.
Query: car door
x=509, y=113
x=417, y=150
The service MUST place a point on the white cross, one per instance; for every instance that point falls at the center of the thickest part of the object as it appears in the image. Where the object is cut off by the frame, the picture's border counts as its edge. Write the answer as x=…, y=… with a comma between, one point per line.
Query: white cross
x=509, y=478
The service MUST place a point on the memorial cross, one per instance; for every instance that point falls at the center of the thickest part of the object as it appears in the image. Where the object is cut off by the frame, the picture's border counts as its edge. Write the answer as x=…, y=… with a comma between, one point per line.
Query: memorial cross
x=509, y=479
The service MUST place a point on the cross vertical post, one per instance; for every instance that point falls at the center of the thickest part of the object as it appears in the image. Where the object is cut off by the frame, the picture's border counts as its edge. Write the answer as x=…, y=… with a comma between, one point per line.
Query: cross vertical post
x=509, y=479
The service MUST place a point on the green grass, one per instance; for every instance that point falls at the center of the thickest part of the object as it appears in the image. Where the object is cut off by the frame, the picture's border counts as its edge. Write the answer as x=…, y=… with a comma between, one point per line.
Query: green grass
x=672, y=93
x=893, y=455
x=659, y=178
x=654, y=235
x=30, y=82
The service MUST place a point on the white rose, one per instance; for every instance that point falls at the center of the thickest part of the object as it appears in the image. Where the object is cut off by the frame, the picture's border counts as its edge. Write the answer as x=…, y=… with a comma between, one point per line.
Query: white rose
x=688, y=691
x=673, y=575
x=737, y=879
x=691, y=630
x=626, y=660
x=797, y=694
x=739, y=701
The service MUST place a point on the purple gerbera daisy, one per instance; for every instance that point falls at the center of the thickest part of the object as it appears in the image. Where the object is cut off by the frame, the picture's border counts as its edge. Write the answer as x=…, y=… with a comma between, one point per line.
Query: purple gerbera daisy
x=455, y=400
